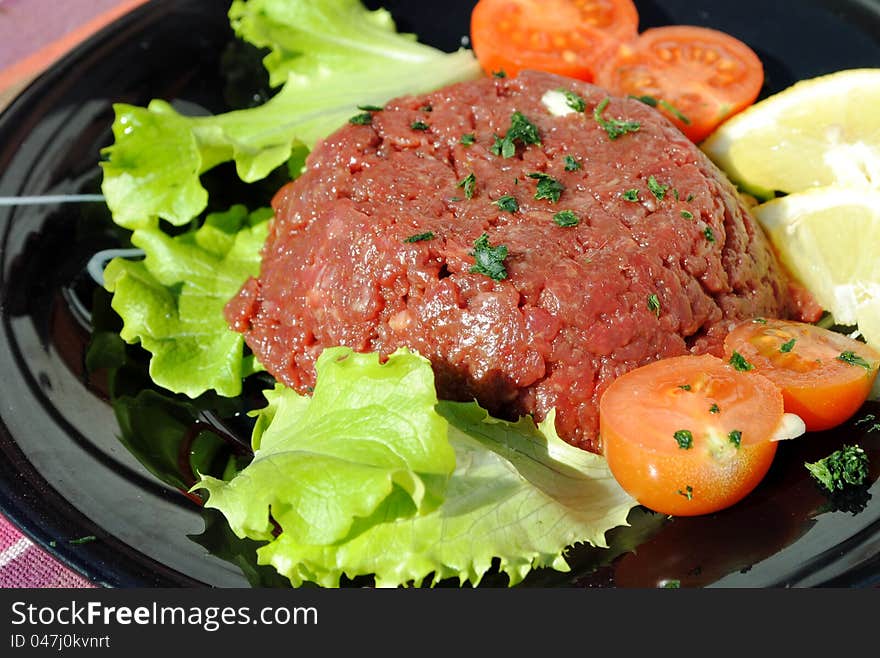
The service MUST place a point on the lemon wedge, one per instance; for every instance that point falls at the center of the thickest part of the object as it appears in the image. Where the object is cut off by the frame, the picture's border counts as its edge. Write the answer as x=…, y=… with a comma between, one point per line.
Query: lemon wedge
x=828, y=238
x=818, y=132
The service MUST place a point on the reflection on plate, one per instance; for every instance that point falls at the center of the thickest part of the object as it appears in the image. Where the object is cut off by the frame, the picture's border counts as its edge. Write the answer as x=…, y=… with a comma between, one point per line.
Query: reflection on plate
x=91, y=447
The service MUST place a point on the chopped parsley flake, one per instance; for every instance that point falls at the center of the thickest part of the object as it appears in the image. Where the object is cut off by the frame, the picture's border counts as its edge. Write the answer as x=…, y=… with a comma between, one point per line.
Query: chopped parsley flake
x=507, y=203
x=82, y=540
x=571, y=164
x=566, y=218
x=685, y=387
x=614, y=127
x=690, y=197
x=669, y=107
x=735, y=437
x=363, y=119
x=685, y=439
x=853, y=359
x=418, y=125
x=760, y=321
x=714, y=409
x=489, y=259
x=710, y=236
x=658, y=190
x=420, y=237
x=468, y=183
x=654, y=304
x=468, y=139
x=499, y=74
x=521, y=130
x=675, y=193
x=548, y=187
x=370, y=108
x=688, y=492
x=671, y=584
x=788, y=345
x=739, y=362
x=687, y=214
x=647, y=100
x=427, y=108
x=503, y=147
x=868, y=419
x=574, y=101
x=674, y=111
x=848, y=466
x=631, y=195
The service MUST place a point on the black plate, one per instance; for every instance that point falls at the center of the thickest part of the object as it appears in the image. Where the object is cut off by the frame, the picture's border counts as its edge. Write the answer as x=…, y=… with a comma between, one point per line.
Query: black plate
x=65, y=474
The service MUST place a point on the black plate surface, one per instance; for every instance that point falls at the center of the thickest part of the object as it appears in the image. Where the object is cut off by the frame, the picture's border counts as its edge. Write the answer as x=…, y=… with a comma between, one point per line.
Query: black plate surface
x=65, y=474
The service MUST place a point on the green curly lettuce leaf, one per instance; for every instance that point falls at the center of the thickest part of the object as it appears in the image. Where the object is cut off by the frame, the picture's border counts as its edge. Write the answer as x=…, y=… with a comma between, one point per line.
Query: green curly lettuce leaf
x=327, y=38
x=331, y=55
x=367, y=443
x=171, y=302
x=518, y=496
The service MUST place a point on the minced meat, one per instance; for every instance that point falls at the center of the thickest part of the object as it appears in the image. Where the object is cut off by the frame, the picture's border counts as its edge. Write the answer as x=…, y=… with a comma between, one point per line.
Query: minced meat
x=375, y=247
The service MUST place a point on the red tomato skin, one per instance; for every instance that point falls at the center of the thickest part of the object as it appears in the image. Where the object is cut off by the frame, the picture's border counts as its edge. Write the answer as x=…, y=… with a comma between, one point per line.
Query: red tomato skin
x=664, y=63
x=817, y=386
x=826, y=408
x=703, y=478
x=558, y=36
x=643, y=473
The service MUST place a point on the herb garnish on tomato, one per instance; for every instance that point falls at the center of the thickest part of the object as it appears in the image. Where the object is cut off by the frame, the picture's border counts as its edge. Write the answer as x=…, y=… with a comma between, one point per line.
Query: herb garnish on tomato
x=824, y=376
x=698, y=76
x=690, y=435
x=853, y=359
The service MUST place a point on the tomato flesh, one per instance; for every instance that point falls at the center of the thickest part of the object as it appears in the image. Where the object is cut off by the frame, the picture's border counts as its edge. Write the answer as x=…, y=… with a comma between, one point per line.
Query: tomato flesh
x=567, y=37
x=700, y=76
x=729, y=418
x=805, y=362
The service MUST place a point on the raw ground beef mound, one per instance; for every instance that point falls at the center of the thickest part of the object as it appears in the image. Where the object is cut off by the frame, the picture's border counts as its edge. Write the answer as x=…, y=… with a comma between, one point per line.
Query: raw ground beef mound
x=633, y=281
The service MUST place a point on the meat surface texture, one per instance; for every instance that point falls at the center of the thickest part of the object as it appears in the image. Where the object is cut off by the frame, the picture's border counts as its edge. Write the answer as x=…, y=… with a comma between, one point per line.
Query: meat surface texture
x=373, y=247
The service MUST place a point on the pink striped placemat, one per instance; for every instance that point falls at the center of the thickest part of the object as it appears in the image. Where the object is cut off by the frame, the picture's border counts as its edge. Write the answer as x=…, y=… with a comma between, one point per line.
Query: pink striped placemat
x=34, y=34
x=24, y=564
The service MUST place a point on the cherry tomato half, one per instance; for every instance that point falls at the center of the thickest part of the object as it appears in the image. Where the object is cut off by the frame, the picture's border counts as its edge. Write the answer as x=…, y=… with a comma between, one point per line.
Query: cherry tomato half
x=698, y=77
x=689, y=435
x=824, y=376
x=568, y=37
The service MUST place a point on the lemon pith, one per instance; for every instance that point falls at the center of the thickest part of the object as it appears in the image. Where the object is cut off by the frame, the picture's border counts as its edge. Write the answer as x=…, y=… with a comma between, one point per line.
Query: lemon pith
x=828, y=238
x=818, y=132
